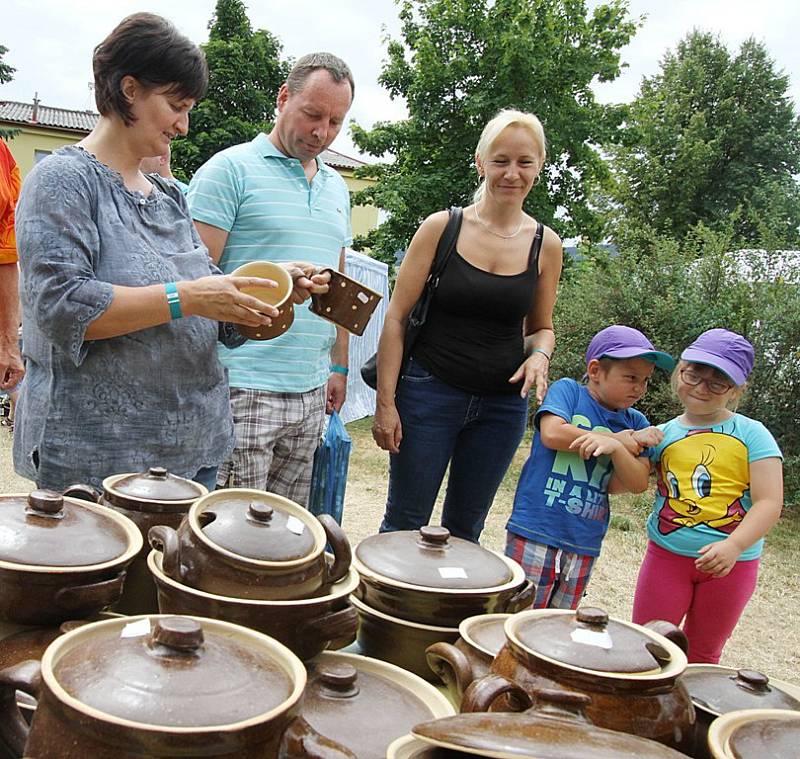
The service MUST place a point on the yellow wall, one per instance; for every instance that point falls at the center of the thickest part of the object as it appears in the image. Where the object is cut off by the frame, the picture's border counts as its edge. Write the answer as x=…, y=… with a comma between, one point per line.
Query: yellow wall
x=362, y=218
x=28, y=140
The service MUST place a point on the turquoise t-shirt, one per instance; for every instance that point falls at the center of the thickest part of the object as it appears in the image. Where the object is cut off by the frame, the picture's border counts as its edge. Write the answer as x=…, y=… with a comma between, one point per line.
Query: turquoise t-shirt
x=704, y=482
x=271, y=212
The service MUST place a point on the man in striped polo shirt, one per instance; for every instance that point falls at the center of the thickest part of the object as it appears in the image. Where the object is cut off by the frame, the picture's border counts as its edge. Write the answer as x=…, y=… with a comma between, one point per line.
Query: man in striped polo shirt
x=273, y=199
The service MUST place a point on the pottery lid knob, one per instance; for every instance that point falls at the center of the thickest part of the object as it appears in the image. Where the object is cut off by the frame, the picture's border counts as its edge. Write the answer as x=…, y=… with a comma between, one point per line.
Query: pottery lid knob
x=157, y=472
x=261, y=512
x=180, y=633
x=752, y=680
x=338, y=675
x=46, y=501
x=434, y=535
x=592, y=616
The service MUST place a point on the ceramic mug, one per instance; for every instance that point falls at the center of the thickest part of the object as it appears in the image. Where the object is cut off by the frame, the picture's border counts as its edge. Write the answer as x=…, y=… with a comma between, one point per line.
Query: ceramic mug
x=280, y=297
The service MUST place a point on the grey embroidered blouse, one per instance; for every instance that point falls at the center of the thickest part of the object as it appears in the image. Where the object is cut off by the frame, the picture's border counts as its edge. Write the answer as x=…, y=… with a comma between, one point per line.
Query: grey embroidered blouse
x=91, y=408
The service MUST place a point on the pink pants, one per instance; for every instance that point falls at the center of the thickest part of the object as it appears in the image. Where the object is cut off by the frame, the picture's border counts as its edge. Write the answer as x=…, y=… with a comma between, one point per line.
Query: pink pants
x=671, y=588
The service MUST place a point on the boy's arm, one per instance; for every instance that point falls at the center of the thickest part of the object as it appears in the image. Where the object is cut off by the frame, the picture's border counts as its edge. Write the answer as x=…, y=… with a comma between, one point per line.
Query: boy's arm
x=557, y=434
x=631, y=472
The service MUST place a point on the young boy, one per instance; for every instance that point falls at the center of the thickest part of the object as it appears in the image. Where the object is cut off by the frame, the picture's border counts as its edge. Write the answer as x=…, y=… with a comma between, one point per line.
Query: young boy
x=588, y=443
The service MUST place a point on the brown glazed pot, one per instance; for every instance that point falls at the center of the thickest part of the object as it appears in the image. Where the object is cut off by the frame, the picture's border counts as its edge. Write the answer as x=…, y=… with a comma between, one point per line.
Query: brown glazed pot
x=755, y=734
x=399, y=641
x=305, y=626
x=250, y=544
x=280, y=297
x=555, y=727
x=347, y=302
x=716, y=690
x=631, y=673
x=62, y=558
x=155, y=686
x=480, y=640
x=347, y=693
x=150, y=498
x=426, y=576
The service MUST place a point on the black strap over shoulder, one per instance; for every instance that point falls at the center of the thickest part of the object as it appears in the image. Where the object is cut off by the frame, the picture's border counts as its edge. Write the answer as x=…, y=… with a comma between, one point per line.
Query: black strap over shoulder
x=536, y=245
x=447, y=243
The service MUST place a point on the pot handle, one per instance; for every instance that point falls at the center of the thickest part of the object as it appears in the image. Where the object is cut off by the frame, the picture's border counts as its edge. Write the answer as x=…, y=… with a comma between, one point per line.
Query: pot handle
x=165, y=540
x=670, y=632
x=450, y=665
x=482, y=693
x=301, y=741
x=27, y=677
x=340, y=545
x=522, y=598
x=332, y=626
x=83, y=492
x=94, y=594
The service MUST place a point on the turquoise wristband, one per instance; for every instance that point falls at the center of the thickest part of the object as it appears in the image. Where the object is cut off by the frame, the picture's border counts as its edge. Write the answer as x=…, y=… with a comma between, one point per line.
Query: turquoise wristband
x=542, y=351
x=338, y=369
x=174, y=300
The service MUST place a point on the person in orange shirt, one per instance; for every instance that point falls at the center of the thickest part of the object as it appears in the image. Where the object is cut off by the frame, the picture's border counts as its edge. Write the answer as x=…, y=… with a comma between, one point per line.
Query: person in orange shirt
x=11, y=368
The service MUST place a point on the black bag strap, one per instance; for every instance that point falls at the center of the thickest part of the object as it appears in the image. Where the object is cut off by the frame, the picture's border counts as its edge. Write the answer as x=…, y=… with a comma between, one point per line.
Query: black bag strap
x=536, y=245
x=446, y=245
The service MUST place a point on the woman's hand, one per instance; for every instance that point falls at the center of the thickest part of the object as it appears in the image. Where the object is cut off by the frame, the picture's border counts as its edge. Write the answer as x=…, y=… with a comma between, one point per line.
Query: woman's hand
x=533, y=372
x=307, y=280
x=222, y=299
x=387, y=430
x=718, y=558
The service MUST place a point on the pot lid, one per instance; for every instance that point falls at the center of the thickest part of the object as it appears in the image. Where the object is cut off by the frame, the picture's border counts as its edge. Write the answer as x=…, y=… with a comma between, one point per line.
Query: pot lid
x=554, y=729
x=46, y=529
x=487, y=631
x=340, y=700
x=720, y=690
x=256, y=527
x=761, y=738
x=157, y=484
x=172, y=672
x=589, y=639
x=430, y=558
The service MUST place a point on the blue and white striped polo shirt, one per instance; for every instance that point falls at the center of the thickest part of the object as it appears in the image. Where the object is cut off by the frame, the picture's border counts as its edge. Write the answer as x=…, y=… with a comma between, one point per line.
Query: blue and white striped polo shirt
x=263, y=199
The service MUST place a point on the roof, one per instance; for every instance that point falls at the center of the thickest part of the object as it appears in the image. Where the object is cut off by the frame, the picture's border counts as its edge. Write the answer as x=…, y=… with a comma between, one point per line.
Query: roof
x=340, y=160
x=57, y=118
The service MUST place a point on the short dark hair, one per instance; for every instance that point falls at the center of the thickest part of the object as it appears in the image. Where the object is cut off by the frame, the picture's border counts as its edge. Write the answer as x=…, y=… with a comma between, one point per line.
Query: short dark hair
x=308, y=64
x=150, y=49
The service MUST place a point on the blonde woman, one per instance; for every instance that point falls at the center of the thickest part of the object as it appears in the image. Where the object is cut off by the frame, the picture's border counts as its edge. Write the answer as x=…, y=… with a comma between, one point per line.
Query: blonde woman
x=461, y=398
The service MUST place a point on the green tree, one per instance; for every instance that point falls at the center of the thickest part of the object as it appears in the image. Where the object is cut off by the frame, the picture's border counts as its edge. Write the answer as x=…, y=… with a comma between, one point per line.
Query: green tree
x=461, y=61
x=245, y=72
x=710, y=133
x=6, y=75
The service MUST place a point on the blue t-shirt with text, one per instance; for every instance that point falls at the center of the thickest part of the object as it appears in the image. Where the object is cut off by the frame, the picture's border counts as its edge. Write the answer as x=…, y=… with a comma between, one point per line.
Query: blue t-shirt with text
x=562, y=500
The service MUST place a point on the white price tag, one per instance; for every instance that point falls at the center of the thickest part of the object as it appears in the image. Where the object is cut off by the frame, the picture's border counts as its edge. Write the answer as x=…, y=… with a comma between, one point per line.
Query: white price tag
x=600, y=639
x=453, y=573
x=295, y=525
x=363, y=297
x=136, y=629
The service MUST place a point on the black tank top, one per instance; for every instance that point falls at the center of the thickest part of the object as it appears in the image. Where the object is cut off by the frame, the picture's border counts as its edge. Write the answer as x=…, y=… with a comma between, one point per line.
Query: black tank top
x=472, y=338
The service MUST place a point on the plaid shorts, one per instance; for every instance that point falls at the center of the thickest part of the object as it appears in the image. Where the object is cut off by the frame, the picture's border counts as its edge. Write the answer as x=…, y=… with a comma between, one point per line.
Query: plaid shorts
x=276, y=436
x=560, y=577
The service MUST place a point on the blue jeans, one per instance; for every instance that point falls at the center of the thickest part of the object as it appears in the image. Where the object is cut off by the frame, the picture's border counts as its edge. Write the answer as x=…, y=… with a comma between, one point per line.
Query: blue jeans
x=207, y=476
x=477, y=435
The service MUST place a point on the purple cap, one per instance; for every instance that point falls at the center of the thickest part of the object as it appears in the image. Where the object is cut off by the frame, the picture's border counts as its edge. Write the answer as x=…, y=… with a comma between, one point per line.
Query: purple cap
x=724, y=350
x=618, y=341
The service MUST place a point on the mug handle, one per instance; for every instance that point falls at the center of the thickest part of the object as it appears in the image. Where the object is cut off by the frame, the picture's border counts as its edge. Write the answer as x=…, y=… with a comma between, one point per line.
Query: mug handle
x=669, y=631
x=482, y=693
x=102, y=594
x=165, y=540
x=27, y=677
x=301, y=741
x=83, y=492
x=342, y=553
x=450, y=665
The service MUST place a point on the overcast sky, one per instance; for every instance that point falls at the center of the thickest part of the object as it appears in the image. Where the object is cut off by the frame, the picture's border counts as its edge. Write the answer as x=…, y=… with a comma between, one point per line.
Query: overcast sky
x=50, y=42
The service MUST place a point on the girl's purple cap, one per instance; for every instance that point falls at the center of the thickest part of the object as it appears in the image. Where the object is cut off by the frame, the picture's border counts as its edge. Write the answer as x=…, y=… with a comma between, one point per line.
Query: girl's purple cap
x=619, y=341
x=724, y=350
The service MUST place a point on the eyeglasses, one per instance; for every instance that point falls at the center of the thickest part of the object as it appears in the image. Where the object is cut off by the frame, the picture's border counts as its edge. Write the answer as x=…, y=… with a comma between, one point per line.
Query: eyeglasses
x=692, y=378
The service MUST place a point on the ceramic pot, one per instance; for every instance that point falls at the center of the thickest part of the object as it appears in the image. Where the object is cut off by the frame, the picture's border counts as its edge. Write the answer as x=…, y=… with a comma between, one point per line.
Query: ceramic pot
x=426, y=576
x=280, y=297
x=347, y=303
x=630, y=672
x=150, y=498
x=305, y=626
x=755, y=734
x=156, y=686
x=555, y=726
x=250, y=544
x=399, y=641
x=480, y=640
x=346, y=692
x=716, y=690
x=61, y=557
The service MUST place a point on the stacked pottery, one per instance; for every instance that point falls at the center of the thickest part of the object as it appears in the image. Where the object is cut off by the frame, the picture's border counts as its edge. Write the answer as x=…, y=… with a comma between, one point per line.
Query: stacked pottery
x=416, y=587
x=257, y=559
x=755, y=734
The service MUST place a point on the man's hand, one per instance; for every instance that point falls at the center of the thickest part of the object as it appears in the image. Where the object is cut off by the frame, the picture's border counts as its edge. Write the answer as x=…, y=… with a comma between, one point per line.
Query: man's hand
x=336, y=392
x=11, y=367
x=307, y=280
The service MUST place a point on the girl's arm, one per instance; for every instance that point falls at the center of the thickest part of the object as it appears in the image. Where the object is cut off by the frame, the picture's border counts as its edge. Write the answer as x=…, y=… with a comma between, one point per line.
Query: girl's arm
x=766, y=491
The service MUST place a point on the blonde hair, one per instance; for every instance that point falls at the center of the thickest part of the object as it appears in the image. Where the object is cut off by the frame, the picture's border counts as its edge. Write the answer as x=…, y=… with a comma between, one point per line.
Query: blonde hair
x=735, y=399
x=507, y=118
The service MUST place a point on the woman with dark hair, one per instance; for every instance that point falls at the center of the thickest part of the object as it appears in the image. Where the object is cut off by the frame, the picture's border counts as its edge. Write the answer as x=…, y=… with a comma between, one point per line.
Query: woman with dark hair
x=122, y=306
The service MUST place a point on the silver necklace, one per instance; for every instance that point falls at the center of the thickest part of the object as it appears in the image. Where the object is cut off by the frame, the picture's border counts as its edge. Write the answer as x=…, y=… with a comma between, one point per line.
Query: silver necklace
x=491, y=231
